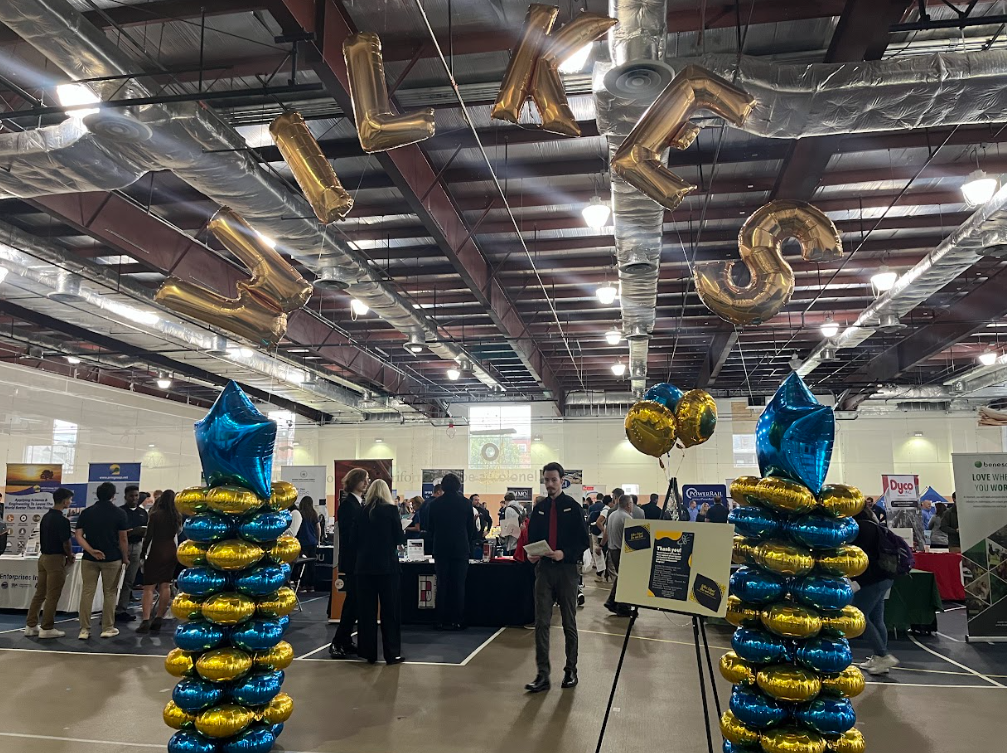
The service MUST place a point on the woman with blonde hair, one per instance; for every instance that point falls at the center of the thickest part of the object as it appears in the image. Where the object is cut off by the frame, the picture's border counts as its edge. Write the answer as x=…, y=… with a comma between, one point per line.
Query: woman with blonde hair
x=379, y=535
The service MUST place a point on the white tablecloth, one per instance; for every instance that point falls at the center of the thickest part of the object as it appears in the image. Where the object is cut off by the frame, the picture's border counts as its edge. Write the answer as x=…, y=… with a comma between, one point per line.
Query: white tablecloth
x=17, y=585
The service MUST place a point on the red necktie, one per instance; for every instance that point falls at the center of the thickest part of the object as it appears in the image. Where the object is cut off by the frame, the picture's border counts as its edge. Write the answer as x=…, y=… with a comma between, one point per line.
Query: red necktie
x=552, y=525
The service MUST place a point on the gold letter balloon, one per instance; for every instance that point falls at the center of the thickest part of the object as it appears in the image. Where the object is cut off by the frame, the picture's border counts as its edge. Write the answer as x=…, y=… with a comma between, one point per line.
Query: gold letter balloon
x=233, y=601
x=665, y=415
x=790, y=662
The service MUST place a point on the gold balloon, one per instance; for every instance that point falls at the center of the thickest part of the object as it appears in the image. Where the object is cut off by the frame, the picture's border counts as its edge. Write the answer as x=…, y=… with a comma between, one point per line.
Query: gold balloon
x=744, y=550
x=740, y=614
x=791, y=621
x=666, y=124
x=378, y=127
x=283, y=495
x=851, y=741
x=232, y=500
x=191, y=500
x=191, y=553
x=736, y=670
x=285, y=549
x=784, y=559
x=223, y=664
x=785, y=682
x=772, y=278
x=848, y=560
x=849, y=622
x=280, y=604
x=311, y=169
x=179, y=663
x=234, y=554
x=533, y=68
x=743, y=490
x=784, y=495
x=228, y=608
x=224, y=721
x=650, y=428
x=278, y=657
x=186, y=607
x=176, y=717
x=841, y=500
x=735, y=732
x=791, y=740
x=279, y=709
x=849, y=683
x=696, y=417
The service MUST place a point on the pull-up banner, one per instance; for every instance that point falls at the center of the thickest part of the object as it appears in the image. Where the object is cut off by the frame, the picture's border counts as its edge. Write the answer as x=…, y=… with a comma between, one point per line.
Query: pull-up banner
x=27, y=497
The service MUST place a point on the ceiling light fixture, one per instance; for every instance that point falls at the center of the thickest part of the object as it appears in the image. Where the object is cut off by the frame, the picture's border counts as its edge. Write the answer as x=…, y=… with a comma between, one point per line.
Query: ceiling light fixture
x=378, y=440
x=415, y=344
x=75, y=98
x=884, y=279
x=607, y=294
x=73, y=360
x=829, y=327
x=988, y=358
x=576, y=62
x=596, y=213
x=152, y=445
x=163, y=382
x=978, y=188
x=619, y=368
x=358, y=307
x=613, y=337
x=917, y=434
x=453, y=374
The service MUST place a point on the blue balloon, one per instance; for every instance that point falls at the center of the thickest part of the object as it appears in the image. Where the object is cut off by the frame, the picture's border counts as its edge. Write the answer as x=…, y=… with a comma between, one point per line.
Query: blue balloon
x=198, y=635
x=666, y=394
x=257, y=635
x=207, y=527
x=756, y=522
x=257, y=689
x=277, y=729
x=258, y=738
x=823, y=532
x=794, y=435
x=827, y=716
x=828, y=655
x=822, y=592
x=265, y=526
x=260, y=580
x=284, y=622
x=235, y=443
x=730, y=747
x=758, y=646
x=757, y=710
x=755, y=586
x=201, y=581
x=186, y=741
x=193, y=694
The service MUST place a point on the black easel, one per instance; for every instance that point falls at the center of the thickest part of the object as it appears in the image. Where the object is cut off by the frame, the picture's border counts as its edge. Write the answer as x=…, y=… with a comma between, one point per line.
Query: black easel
x=672, y=495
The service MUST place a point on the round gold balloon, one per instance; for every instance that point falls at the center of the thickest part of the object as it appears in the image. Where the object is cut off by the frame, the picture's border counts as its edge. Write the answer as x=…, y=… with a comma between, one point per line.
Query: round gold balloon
x=743, y=489
x=744, y=550
x=696, y=416
x=740, y=614
x=784, y=559
x=735, y=732
x=191, y=553
x=851, y=741
x=224, y=721
x=185, y=607
x=192, y=500
x=177, y=718
x=785, y=495
x=849, y=622
x=280, y=604
x=650, y=428
x=789, y=740
x=849, y=683
x=785, y=682
x=234, y=554
x=791, y=621
x=179, y=663
x=283, y=496
x=223, y=664
x=278, y=657
x=232, y=500
x=848, y=560
x=841, y=500
x=285, y=549
x=735, y=670
x=228, y=608
x=279, y=709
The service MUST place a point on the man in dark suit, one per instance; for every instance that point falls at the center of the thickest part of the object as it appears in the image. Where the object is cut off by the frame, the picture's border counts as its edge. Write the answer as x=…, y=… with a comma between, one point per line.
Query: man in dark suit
x=718, y=513
x=652, y=510
x=355, y=483
x=453, y=528
x=557, y=519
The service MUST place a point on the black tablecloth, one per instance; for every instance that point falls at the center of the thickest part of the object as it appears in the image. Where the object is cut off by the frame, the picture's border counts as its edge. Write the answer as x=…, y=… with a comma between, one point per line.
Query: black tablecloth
x=496, y=594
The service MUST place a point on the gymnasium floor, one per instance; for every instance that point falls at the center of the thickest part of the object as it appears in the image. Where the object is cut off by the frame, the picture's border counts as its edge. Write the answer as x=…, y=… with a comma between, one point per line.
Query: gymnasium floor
x=463, y=692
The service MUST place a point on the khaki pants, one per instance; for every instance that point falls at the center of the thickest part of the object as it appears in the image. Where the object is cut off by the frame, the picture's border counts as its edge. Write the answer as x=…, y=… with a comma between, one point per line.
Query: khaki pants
x=51, y=577
x=89, y=572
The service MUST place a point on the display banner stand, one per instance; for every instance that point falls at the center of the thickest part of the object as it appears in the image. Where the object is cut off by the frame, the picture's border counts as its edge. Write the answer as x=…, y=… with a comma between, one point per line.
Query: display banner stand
x=672, y=495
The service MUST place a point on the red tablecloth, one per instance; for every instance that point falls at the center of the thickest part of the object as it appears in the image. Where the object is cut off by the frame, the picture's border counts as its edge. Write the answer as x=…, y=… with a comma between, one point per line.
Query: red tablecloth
x=947, y=570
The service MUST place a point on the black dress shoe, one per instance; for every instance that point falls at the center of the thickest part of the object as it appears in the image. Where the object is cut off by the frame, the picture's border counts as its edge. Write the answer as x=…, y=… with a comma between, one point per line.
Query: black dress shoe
x=339, y=652
x=539, y=684
x=351, y=648
x=394, y=660
x=569, y=678
x=124, y=617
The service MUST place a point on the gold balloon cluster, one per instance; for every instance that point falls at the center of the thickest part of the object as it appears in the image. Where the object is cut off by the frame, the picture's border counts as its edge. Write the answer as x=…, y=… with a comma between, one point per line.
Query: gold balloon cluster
x=223, y=719
x=653, y=427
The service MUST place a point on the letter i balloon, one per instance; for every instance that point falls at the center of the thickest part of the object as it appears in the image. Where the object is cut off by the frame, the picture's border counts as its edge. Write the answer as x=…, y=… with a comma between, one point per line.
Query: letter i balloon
x=791, y=664
x=234, y=600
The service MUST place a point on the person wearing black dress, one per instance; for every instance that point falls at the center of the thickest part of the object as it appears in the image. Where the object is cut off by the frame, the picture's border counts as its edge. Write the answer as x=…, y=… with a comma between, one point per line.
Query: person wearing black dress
x=379, y=535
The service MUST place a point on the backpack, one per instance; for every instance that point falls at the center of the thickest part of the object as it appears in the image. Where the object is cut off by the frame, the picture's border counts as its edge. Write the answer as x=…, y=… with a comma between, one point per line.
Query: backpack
x=522, y=513
x=895, y=557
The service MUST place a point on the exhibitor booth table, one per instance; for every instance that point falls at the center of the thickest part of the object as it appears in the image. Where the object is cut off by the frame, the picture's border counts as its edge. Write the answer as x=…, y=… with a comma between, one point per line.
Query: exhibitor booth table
x=913, y=602
x=947, y=570
x=17, y=584
x=497, y=594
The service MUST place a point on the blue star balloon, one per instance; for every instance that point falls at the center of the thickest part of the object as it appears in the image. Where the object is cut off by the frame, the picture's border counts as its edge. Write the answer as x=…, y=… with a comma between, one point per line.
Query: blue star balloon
x=235, y=443
x=794, y=435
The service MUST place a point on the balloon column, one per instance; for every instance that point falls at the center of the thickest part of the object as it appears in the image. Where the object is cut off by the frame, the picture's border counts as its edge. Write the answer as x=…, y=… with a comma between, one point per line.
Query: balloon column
x=233, y=602
x=791, y=663
x=667, y=414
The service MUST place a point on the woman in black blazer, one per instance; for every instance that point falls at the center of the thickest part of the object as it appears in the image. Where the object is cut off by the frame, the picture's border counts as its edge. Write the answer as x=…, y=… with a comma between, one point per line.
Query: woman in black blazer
x=379, y=534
